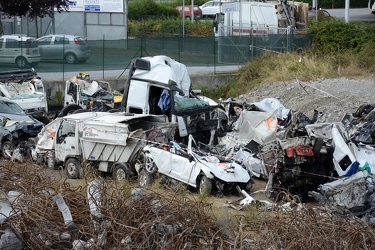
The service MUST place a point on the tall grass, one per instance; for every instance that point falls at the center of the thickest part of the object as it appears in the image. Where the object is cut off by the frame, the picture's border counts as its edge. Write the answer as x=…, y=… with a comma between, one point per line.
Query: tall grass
x=339, y=50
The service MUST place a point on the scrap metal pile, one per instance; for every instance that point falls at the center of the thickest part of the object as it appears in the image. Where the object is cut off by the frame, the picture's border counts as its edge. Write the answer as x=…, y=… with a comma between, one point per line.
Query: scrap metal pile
x=331, y=162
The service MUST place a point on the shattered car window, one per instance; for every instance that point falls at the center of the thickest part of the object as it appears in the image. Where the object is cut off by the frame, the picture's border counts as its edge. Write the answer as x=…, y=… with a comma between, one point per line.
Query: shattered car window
x=100, y=94
x=182, y=105
x=11, y=108
x=27, y=96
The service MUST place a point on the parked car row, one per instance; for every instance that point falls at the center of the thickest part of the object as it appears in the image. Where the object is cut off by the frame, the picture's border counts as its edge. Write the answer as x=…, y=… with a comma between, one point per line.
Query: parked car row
x=27, y=51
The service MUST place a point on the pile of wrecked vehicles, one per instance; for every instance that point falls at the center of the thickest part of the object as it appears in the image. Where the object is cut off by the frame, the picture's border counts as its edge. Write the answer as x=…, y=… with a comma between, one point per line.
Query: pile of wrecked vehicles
x=160, y=116
x=164, y=128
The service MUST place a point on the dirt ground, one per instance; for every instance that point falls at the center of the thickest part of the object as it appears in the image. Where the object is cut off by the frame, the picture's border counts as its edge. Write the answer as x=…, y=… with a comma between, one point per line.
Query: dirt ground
x=333, y=98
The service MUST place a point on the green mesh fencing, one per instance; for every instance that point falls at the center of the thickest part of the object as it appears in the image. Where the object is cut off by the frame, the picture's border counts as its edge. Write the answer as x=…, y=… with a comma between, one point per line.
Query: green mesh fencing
x=192, y=51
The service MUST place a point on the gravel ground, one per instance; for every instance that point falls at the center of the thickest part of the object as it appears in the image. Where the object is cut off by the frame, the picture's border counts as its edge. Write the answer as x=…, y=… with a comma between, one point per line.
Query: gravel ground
x=333, y=98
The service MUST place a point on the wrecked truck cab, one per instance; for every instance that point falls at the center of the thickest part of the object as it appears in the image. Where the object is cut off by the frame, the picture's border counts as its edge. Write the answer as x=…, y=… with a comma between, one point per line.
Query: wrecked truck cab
x=83, y=93
x=159, y=85
x=26, y=88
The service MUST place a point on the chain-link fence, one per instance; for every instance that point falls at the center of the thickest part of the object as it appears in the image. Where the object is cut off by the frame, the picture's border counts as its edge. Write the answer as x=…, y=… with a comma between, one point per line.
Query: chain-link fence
x=192, y=51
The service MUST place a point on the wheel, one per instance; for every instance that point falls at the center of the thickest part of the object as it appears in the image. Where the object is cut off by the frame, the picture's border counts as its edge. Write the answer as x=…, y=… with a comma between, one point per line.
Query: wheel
x=120, y=172
x=69, y=110
x=145, y=178
x=205, y=185
x=73, y=168
x=7, y=149
x=70, y=58
x=150, y=166
x=248, y=186
x=21, y=62
x=51, y=163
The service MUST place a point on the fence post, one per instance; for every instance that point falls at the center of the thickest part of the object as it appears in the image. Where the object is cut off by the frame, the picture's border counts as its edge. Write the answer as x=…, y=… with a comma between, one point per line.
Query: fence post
x=103, y=55
x=215, y=51
x=63, y=62
x=288, y=34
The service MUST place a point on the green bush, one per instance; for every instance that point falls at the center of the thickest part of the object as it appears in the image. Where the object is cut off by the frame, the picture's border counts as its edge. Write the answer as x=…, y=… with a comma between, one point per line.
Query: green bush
x=336, y=36
x=169, y=26
x=148, y=9
x=332, y=4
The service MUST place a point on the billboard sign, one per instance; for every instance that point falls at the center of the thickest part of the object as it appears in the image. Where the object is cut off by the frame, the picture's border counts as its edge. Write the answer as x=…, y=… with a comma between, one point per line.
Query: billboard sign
x=230, y=7
x=96, y=5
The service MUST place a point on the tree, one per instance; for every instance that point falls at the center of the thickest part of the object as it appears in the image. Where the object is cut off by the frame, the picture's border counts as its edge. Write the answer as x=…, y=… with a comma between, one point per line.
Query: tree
x=33, y=8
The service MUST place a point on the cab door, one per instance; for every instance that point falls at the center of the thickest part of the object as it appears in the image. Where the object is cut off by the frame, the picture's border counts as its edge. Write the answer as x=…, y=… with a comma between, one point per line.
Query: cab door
x=67, y=142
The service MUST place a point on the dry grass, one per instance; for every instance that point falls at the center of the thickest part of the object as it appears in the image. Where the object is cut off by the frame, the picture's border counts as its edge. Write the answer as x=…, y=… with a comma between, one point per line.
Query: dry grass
x=167, y=220
x=303, y=66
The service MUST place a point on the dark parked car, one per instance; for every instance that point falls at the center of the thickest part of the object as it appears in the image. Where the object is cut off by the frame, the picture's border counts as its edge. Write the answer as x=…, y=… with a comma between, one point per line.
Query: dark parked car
x=16, y=127
x=70, y=48
x=185, y=11
x=322, y=15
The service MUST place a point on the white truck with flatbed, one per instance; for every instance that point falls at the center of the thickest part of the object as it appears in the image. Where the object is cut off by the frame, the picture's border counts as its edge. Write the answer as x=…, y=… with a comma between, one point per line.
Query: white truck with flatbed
x=108, y=142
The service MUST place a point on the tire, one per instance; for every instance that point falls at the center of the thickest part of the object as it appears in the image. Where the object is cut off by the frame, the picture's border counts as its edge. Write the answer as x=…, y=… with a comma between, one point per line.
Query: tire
x=51, y=163
x=205, y=185
x=120, y=172
x=70, y=58
x=149, y=164
x=145, y=178
x=21, y=62
x=69, y=110
x=7, y=146
x=73, y=169
x=248, y=186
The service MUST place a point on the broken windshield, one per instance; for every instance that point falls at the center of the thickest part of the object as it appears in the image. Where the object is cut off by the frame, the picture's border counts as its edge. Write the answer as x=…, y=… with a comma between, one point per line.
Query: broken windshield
x=27, y=96
x=188, y=105
x=11, y=108
x=100, y=94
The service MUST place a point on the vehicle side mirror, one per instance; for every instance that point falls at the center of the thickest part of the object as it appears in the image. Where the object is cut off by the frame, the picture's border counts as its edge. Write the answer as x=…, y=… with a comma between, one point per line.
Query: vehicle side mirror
x=173, y=87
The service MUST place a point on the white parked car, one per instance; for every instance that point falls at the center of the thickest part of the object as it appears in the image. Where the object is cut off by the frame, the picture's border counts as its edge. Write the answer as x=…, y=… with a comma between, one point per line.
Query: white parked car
x=200, y=170
x=19, y=49
x=211, y=8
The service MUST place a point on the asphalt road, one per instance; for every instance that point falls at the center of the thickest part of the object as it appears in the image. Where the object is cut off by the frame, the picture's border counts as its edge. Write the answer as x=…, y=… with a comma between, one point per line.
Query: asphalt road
x=361, y=14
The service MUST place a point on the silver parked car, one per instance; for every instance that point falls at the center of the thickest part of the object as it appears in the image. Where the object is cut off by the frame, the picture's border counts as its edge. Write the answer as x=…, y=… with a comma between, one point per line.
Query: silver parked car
x=70, y=48
x=19, y=49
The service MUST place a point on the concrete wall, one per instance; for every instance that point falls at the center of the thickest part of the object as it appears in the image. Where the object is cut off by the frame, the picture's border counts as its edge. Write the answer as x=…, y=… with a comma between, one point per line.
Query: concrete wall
x=90, y=25
x=207, y=80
